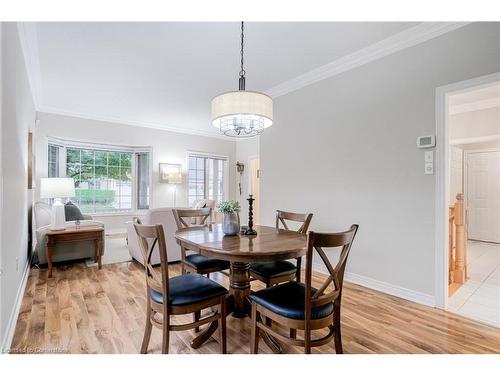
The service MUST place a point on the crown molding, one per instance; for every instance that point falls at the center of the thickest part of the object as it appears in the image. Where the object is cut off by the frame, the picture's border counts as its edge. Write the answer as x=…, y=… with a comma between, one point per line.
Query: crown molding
x=398, y=42
x=120, y=121
x=405, y=39
x=475, y=106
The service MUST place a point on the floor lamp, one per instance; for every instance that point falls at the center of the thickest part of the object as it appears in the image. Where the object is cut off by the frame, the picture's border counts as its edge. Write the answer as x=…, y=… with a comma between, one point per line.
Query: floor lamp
x=171, y=174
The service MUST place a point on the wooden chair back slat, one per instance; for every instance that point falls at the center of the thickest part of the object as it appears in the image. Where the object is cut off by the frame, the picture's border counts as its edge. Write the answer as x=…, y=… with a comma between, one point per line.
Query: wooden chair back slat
x=201, y=215
x=284, y=216
x=149, y=237
x=316, y=242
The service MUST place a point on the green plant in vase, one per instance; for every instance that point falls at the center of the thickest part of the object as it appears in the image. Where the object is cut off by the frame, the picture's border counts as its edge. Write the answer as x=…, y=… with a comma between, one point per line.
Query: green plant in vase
x=231, y=219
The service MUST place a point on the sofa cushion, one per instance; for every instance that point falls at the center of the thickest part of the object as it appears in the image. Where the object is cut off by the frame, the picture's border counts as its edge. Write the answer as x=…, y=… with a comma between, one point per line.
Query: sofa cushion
x=288, y=300
x=188, y=289
x=72, y=212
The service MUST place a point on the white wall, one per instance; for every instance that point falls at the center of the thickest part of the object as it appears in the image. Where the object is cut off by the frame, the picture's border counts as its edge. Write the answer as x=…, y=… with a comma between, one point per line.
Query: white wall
x=344, y=148
x=245, y=149
x=167, y=147
x=482, y=123
x=18, y=118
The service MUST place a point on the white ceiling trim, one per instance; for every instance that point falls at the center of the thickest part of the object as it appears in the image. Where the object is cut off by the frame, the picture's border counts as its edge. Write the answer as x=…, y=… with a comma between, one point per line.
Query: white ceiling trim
x=405, y=39
x=475, y=106
x=120, y=121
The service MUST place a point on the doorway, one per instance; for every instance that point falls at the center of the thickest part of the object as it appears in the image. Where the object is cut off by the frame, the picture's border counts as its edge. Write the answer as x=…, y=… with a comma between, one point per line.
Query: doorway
x=254, y=187
x=470, y=121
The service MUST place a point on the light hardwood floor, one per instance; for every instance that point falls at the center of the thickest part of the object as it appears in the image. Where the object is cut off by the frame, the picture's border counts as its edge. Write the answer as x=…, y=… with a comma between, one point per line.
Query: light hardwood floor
x=86, y=310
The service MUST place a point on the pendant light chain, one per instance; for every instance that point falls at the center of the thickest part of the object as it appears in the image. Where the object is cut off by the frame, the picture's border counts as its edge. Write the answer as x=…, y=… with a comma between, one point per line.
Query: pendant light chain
x=242, y=71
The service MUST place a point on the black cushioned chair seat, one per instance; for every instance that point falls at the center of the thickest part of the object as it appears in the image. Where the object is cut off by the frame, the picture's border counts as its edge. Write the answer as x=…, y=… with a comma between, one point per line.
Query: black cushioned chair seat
x=288, y=300
x=201, y=262
x=273, y=269
x=190, y=288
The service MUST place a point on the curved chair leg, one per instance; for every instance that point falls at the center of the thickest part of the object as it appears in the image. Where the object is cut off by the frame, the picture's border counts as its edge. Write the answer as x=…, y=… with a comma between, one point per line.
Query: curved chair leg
x=254, y=341
x=147, y=333
x=166, y=334
x=222, y=325
x=293, y=333
x=196, y=317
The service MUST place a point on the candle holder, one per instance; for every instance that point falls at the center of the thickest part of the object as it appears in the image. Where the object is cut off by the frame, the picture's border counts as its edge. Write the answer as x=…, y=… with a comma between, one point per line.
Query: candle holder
x=250, y=231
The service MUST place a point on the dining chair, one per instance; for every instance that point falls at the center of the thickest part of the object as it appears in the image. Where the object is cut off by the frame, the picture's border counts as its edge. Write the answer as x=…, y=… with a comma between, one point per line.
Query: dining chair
x=178, y=295
x=299, y=306
x=273, y=273
x=197, y=263
x=194, y=219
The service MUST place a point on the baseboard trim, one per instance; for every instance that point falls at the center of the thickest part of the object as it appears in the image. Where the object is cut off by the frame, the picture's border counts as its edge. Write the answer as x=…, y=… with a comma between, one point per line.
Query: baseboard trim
x=393, y=290
x=384, y=287
x=11, y=326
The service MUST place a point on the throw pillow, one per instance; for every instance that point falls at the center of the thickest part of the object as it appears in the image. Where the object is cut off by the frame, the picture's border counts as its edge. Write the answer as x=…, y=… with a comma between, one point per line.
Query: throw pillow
x=200, y=204
x=72, y=212
x=197, y=206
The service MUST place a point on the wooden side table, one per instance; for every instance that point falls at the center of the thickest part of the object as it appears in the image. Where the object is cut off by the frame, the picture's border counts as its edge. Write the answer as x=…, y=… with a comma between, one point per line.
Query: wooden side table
x=72, y=234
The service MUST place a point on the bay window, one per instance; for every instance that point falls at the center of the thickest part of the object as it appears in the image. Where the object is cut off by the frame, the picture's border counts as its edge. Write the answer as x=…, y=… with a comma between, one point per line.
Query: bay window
x=108, y=179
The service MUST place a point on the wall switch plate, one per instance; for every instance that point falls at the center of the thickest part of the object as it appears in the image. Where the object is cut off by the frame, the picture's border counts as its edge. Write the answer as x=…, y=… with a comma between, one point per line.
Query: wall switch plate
x=429, y=156
x=429, y=168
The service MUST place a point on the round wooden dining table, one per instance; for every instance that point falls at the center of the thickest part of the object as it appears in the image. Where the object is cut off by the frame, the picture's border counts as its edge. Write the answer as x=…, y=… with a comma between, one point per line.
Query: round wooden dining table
x=270, y=244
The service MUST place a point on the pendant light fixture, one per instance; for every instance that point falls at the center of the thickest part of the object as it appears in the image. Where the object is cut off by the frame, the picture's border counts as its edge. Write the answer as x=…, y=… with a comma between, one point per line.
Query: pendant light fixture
x=241, y=113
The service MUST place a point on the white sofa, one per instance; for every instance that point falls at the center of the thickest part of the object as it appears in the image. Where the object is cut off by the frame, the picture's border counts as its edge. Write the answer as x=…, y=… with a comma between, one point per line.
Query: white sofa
x=73, y=250
x=165, y=217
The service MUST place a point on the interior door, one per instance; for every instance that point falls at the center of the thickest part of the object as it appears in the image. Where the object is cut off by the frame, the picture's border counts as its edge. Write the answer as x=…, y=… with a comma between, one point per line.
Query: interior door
x=456, y=169
x=255, y=188
x=483, y=195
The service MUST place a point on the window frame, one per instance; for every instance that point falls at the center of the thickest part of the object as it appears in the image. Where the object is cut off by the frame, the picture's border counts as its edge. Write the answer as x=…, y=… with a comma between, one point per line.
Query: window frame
x=63, y=144
x=208, y=155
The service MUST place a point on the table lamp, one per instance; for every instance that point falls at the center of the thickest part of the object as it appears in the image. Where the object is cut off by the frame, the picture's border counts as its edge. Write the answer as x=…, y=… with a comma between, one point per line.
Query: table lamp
x=57, y=188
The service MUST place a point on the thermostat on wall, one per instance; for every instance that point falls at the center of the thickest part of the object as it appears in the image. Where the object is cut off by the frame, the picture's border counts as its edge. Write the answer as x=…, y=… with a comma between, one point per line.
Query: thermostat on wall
x=426, y=141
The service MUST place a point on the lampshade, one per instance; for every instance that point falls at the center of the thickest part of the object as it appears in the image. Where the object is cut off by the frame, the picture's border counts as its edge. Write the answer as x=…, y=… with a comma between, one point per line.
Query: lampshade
x=242, y=113
x=56, y=187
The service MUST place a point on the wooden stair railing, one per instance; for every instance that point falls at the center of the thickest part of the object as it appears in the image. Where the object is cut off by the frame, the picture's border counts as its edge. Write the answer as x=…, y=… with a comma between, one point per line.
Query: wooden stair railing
x=457, y=245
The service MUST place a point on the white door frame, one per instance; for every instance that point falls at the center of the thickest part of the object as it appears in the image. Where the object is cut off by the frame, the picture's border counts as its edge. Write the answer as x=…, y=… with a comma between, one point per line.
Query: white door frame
x=442, y=183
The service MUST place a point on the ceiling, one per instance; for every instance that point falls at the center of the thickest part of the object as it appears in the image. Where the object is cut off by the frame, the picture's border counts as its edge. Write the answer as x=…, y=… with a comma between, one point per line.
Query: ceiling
x=165, y=74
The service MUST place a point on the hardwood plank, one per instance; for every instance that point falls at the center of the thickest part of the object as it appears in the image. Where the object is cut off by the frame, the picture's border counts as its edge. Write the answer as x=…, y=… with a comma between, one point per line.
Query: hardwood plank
x=86, y=310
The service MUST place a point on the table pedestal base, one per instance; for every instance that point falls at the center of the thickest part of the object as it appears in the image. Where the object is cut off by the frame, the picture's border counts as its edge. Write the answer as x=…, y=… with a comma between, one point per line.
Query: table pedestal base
x=240, y=288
